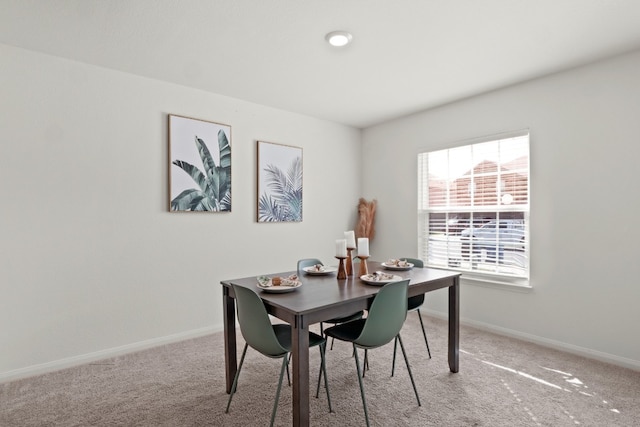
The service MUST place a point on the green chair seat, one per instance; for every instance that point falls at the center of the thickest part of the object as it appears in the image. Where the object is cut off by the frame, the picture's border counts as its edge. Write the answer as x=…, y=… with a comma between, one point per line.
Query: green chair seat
x=348, y=331
x=414, y=303
x=349, y=318
x=283, y=333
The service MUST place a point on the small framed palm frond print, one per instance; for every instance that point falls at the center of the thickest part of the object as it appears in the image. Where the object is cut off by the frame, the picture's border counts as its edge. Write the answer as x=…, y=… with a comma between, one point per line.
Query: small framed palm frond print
x=279, y=183
x=200, y=165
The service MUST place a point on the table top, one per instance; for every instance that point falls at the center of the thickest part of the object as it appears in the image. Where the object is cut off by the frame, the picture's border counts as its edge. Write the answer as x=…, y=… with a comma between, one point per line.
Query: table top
x=322, y=292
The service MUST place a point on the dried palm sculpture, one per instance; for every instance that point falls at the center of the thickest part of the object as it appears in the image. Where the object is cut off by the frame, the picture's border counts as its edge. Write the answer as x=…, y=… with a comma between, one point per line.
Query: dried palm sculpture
x=366, y=218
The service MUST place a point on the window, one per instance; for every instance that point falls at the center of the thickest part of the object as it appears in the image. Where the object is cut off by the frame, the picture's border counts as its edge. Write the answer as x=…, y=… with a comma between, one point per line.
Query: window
x=473, y=208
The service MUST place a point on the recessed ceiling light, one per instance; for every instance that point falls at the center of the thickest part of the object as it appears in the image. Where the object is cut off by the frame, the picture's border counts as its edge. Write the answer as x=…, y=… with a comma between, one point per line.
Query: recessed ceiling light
x=339, y=38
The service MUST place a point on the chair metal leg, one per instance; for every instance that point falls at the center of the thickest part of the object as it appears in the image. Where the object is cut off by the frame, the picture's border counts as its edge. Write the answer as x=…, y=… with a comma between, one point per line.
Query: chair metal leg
x=285, y=360
x=365, y=364
x=424, y=333
x=364, y=400
x=323, y=371
x=324, y=336
x=406, y=361
x=395, y=349
x=395, y=344
x=235, y=379
x=319, y=379
x=288, y=376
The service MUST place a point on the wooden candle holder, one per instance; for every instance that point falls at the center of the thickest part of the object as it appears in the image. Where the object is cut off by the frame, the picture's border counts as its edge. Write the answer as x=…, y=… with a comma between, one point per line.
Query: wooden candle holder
x=363, y=265
x=342, y=274
x=349, y=262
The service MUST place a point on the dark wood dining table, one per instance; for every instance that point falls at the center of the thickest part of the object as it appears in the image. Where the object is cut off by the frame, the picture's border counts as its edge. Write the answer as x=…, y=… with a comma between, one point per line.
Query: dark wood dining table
x=323, y=297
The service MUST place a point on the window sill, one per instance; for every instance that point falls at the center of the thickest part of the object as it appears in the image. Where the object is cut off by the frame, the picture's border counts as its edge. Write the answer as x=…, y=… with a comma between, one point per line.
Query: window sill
x=496, y=282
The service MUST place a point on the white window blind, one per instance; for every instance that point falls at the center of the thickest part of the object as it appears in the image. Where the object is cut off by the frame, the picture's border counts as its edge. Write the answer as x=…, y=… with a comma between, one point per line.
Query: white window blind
x=473, y=206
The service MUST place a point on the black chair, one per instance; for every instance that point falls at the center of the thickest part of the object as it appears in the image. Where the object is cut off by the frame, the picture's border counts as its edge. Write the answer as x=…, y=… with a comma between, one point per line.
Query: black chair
x=310, y=262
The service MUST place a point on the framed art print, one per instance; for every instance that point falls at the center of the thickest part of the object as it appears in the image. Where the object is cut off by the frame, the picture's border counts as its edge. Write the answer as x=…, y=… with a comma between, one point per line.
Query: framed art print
x=279, y=183
x=200, y=165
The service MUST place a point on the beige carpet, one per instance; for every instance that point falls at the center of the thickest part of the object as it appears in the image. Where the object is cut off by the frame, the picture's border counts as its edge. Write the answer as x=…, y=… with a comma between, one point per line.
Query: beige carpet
x=502, y=382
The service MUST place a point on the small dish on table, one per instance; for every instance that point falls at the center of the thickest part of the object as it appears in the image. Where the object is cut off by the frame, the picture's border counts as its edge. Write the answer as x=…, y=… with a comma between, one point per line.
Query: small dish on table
x=379, y=278
x=397, y=264
x=278, y=285
x=319, y=270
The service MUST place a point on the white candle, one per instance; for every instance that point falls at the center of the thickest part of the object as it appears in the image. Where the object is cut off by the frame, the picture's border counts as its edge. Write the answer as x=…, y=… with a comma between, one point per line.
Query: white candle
x=351, y=239
x=363, y=246
x=341, y=248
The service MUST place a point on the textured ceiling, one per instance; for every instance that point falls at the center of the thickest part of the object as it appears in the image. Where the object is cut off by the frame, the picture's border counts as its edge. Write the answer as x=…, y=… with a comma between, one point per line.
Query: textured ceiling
x=407, y=55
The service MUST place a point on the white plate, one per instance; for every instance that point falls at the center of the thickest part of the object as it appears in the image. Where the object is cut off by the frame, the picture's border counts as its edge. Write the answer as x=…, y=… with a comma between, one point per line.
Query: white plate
x=386, y=278
x=265, y=284
x=327, y=270
x=409, y=266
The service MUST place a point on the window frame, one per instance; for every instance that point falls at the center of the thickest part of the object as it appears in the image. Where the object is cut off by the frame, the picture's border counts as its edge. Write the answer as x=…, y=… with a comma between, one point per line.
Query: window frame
x=500, y=210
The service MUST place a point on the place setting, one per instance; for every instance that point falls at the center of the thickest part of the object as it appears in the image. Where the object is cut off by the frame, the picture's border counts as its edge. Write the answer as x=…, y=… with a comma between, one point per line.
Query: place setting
x=278, y=284
x=319, y=270
x=397, y=264
x=380, y=278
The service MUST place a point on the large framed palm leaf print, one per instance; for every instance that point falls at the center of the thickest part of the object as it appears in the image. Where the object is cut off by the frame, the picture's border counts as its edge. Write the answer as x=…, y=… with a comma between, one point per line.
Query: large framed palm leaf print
x=279, y=183
x=200, y=165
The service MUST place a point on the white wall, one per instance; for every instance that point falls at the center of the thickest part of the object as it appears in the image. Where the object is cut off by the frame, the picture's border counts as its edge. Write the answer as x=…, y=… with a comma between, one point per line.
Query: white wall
x=585, y=147
x=92, y=263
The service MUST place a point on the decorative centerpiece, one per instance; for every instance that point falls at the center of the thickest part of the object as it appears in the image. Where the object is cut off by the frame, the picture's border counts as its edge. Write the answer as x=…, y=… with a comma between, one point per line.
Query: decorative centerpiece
x=363, y=254
x=341, y=255
x=350, y=237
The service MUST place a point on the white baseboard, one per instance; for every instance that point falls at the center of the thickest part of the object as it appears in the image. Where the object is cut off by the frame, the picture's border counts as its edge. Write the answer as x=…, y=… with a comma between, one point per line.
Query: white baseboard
x=557, y=345
x=69, y=362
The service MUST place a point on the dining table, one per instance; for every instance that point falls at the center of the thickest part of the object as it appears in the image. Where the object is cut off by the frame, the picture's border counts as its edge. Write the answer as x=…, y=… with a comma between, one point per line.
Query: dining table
x=321, y=297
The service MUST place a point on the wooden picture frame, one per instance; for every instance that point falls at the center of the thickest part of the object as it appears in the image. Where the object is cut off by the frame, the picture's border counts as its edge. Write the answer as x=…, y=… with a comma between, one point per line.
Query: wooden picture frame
x=199, y=165
x=279, y=183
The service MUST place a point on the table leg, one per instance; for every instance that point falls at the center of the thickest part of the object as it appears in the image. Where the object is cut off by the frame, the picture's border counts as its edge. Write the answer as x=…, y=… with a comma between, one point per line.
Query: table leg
x=300, y=355
x=230, y=351
x=454, y=325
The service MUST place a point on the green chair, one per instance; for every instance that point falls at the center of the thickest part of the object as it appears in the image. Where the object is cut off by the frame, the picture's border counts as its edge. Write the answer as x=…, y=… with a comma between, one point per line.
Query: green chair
x=273, y=341
x=413, y=304
x=309, y=262
x=386, y=316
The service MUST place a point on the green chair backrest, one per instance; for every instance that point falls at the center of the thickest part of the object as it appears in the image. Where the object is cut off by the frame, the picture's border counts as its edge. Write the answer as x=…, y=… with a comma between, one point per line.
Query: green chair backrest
x=307, y=262
x=415, y=261
x=386, y=315
x=255, y=324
